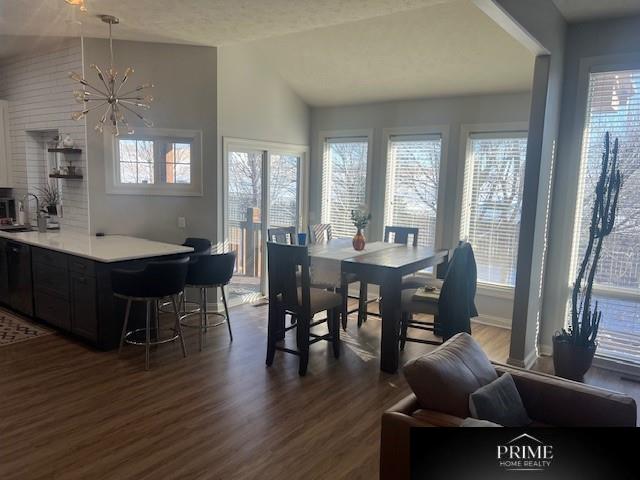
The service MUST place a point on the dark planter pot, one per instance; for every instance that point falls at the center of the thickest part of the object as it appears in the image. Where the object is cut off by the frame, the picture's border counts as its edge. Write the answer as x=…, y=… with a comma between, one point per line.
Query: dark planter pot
x=52, y=210
x=571, y=361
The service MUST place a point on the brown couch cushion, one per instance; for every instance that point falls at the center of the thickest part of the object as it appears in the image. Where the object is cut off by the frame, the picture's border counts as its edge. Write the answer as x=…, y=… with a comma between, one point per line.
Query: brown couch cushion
x=442, y=380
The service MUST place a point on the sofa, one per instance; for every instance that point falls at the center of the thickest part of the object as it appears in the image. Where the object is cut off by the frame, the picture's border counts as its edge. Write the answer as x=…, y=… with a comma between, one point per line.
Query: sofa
x=443, y=379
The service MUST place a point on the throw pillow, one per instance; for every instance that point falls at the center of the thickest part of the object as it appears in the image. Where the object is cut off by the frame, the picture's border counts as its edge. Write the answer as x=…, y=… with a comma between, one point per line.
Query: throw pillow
x=499, y=402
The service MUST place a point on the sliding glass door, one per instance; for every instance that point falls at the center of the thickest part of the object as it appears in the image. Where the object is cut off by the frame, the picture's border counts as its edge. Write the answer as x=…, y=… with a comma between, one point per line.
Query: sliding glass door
x=284, y=190
x=243, y=220
x=263, y=190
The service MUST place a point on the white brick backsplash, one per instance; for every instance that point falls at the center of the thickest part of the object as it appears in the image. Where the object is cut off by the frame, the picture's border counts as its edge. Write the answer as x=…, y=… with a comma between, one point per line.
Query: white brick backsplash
x=40, y=99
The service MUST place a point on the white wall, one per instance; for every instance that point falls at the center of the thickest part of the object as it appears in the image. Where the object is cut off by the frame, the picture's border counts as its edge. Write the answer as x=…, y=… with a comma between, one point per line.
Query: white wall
x=586, y=43
x=255, y=103
x=185, y=97
x=449, y=112
x=40, y=99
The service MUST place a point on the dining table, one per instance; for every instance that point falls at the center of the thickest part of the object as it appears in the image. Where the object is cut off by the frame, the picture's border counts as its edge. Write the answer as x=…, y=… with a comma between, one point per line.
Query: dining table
x=380, y=263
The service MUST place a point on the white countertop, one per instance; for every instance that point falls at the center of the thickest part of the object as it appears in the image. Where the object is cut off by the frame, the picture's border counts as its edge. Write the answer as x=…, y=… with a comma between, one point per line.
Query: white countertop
x=110, y=248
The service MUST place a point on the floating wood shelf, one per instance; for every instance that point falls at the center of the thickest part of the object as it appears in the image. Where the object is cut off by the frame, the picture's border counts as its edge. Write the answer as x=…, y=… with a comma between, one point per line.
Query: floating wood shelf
x=68, y=177
x=65, y=150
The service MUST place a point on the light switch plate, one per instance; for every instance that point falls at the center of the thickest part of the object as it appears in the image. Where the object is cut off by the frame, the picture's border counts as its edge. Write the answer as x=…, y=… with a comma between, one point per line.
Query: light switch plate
x=182, y=222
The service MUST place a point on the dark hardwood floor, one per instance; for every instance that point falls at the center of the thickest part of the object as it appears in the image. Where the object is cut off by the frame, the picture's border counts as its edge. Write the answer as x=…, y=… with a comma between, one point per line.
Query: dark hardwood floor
x=70, y=412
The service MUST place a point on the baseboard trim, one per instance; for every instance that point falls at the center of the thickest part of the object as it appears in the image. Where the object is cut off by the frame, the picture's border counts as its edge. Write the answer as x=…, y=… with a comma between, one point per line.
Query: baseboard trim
x=546, y=350
x=527, y=363
x=493, y=321
x=516, y=362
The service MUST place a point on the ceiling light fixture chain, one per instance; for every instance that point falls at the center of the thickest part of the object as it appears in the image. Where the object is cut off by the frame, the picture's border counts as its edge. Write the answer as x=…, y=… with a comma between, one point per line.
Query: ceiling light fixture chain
x=116, y=103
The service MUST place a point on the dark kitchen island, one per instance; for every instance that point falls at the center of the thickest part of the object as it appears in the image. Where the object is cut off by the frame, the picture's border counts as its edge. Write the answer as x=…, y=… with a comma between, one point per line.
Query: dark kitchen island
x=64, y=279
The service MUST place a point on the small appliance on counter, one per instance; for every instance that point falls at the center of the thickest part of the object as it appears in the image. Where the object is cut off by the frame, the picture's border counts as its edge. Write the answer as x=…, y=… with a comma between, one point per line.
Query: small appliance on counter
x=7, y=208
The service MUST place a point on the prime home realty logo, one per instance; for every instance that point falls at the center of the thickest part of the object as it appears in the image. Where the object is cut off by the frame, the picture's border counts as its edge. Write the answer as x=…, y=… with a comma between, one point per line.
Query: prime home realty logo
x=525, y=453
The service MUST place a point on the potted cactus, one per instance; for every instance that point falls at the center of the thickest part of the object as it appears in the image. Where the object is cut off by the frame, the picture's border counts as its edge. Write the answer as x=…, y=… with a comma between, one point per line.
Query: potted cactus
x=575, y=346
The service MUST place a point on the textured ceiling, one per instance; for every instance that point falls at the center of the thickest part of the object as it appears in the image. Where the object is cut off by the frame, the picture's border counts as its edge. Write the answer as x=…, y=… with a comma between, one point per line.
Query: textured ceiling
x=581, y=10
x=447, y=49
x=330, y=52
x=201, y=22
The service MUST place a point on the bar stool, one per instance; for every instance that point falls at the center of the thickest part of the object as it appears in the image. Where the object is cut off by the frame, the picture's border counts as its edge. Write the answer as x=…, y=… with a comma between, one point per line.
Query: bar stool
x=209, y=271
x=201, y=246
x=155, y=281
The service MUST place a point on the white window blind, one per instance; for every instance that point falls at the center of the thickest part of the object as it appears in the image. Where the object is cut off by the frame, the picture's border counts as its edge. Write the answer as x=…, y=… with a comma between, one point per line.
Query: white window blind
x=492, y=202
x=344, y=182
x=613, y=105
x=413, y=171
x=283, y=190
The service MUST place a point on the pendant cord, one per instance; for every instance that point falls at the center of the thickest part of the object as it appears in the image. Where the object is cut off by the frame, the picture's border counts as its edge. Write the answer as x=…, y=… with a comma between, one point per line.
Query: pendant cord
x=110, y=47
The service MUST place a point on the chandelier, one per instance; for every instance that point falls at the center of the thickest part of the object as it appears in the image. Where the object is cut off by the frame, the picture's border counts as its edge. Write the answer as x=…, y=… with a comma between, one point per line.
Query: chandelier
x=115, y=104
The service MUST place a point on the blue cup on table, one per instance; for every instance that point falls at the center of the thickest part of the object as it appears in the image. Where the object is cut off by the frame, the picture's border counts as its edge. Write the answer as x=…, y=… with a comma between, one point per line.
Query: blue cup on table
x=302, y=239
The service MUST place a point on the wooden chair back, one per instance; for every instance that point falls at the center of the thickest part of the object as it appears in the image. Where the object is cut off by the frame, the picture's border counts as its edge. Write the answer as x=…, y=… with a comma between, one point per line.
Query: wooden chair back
x=283, y=261
x=282, y=235
x=401, y=235
x=320, y=233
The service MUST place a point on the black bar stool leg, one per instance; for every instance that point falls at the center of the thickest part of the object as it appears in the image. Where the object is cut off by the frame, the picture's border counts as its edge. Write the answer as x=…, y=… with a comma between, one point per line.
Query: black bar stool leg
x=226, y=312
x=147, y=344
x=178, y=326
x=124, y=327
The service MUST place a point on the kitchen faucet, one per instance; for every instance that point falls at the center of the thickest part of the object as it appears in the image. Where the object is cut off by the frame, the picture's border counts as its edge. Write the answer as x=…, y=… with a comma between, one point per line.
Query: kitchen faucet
x=41, y=219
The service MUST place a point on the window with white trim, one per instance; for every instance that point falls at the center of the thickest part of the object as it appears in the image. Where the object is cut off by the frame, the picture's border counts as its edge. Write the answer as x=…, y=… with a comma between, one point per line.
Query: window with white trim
x=413, y=176
x=148, y=160
x=156, y=161
x=613, y=105
x=492, y=203
x=344, y=182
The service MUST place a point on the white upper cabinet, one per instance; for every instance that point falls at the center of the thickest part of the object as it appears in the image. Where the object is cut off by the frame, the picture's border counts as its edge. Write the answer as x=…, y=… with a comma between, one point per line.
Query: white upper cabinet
x=5, y=151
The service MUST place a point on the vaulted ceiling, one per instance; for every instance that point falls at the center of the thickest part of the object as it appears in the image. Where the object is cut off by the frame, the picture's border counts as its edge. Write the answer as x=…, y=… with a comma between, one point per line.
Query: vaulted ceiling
x=442, y=50
x=201, y=22
x=329, y=51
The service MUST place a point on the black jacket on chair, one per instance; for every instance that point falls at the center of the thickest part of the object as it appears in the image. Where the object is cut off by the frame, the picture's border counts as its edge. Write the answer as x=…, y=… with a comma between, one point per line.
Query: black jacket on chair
x=456, y=305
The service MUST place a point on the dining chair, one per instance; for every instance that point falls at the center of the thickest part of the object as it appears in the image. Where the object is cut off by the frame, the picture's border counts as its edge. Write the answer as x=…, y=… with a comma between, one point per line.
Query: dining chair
x=282, y=235
x=320, y=233
x=398, y=235
x=452, y=313
x=401, y=235
x=285, y=295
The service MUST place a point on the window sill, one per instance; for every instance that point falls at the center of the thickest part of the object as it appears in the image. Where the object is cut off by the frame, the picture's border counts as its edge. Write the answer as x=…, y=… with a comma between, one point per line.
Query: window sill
x=495, y=291
x=156, y=190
